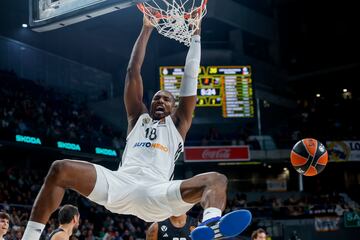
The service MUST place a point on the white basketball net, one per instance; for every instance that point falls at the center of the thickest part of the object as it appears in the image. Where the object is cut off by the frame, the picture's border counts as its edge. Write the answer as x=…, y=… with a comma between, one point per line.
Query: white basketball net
x=178, y=19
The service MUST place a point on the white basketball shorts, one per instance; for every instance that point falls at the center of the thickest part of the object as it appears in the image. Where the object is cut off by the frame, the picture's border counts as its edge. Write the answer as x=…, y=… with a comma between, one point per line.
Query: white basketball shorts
x=137, y=191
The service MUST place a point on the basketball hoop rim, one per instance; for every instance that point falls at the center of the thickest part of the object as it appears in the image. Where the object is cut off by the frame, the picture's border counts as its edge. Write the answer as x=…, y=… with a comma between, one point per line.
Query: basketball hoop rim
x=158, y=15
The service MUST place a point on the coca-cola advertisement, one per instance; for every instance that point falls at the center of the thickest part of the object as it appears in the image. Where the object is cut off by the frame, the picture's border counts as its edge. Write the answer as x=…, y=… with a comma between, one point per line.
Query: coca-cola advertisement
x=217, y=154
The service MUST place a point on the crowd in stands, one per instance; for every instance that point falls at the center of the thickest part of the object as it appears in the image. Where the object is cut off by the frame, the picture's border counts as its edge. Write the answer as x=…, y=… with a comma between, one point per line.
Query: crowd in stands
x=214, y=135
x=329, y=118
x=295, y=206
x=18, y=189
x=27, y=108
x=31, y=109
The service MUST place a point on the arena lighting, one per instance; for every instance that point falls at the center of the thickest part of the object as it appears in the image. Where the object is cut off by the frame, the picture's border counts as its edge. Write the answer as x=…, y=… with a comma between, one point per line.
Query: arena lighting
x=24, y=25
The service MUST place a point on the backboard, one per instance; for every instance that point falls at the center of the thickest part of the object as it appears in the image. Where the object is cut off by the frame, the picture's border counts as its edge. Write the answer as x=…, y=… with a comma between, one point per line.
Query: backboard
x=47, y=15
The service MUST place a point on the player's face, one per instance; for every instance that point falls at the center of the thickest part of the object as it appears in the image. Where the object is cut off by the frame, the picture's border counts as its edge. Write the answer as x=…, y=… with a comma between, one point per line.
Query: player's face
x=162, y=105
x=4, y=226
x=261, y=236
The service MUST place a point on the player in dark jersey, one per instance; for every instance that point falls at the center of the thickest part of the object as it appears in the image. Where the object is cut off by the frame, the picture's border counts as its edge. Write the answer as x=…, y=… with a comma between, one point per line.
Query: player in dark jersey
x=69, y=221
x=173, y=228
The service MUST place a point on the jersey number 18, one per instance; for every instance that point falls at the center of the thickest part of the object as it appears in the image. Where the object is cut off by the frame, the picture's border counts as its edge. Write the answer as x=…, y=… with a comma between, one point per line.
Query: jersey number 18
x=150, y=133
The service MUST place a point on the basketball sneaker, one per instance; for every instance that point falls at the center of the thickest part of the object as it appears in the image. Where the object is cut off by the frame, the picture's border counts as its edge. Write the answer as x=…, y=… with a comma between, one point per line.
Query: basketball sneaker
x=229, y=225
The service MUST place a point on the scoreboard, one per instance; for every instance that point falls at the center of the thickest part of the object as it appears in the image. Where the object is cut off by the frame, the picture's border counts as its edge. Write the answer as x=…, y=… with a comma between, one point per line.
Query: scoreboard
x=225, y=87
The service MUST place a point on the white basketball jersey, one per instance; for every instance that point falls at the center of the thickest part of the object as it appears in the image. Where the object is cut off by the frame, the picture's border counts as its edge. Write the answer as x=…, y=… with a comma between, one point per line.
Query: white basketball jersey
x=153, y=145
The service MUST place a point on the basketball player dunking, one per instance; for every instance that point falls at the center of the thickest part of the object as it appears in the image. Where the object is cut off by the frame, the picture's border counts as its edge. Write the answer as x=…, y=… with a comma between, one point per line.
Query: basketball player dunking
x=142, y=186
x=173, y=228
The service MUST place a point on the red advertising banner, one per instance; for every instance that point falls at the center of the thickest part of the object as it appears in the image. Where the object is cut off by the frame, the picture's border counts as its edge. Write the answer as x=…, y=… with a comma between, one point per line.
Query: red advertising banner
x=217, y=154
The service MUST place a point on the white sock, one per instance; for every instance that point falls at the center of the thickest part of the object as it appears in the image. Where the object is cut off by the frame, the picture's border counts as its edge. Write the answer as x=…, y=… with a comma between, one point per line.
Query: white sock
x=211, y=212
x=33, y=231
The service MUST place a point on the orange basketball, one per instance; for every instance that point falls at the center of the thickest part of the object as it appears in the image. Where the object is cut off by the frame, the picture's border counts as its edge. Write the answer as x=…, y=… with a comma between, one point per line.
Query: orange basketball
x=309, y=157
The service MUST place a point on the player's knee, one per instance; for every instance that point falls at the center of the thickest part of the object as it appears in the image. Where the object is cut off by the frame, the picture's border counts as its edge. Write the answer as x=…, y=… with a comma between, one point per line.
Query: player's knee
x=218, y=179
x=222, y=179
x=58, y=169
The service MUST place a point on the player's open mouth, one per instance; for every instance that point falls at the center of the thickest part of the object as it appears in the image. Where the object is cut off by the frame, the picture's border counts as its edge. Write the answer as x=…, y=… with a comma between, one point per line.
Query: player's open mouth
x=159, y=109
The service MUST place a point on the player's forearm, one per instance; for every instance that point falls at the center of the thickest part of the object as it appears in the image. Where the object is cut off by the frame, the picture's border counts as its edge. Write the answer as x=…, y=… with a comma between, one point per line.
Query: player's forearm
x=139, y=50
x=192, y=65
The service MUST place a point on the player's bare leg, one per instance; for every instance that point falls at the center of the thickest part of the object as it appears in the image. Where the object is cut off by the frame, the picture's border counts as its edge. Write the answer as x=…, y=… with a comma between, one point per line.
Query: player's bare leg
x=63, y=174
x=209, y=190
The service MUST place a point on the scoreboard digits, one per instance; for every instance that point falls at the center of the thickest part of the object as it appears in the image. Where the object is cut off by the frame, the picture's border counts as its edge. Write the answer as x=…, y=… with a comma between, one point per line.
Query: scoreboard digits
x=238, y=92
x=228, y=87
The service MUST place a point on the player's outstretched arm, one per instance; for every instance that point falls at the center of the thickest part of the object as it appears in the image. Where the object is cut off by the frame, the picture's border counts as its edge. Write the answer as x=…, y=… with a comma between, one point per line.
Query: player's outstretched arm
x=188, y=89
x=133, y=92
x=152, y=232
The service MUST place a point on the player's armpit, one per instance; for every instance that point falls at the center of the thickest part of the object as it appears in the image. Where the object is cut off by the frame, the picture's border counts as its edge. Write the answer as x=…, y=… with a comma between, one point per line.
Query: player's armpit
x=184, y=114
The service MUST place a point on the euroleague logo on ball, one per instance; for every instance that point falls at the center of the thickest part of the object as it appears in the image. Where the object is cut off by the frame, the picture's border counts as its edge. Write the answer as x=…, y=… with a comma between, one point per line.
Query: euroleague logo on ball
x=309, y=157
